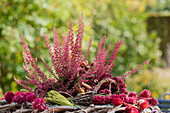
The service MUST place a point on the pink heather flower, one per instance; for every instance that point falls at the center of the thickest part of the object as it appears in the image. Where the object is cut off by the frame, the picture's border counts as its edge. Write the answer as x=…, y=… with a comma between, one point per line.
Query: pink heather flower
x=132, y=94
x=131, y=109
x=28, y=93
x=23, y=94
x=39, y=104
x=152, y=101
x=106, y=91
x=131, y=100
x=82, y=71
x=17, y=93
x=98, y=100
x=19, y=98
x=66, y=58
x=123, y=97
x=108, y=100
x=114, y=96
x=123, y=90
x=144, y=105
x=9, y=96
x=117, y=101
x=136, y=69
x=145, y=94
x=31, y=97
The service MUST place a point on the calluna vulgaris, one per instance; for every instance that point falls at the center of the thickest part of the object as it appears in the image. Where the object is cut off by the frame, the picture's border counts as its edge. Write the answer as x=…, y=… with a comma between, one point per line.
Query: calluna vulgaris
x=70, y=68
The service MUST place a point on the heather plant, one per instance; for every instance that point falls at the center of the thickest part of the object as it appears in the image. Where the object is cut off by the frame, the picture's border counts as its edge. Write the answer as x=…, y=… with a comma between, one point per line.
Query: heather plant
x=70, y=67
x=112, y=17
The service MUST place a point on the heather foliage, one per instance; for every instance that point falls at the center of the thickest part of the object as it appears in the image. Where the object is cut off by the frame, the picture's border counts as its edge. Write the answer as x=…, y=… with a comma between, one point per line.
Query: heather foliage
x=69, y=66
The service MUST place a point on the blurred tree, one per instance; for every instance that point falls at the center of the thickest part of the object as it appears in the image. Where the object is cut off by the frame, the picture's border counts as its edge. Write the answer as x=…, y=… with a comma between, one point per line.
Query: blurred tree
x=149, y=5
x=118, y=20
x=113, y=18
x=147, y=80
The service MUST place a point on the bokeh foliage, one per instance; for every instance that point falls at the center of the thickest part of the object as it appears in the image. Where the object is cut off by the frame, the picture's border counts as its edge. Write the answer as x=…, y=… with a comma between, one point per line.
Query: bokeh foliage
x=112, y=18
x=148, y=80
x=161, y=24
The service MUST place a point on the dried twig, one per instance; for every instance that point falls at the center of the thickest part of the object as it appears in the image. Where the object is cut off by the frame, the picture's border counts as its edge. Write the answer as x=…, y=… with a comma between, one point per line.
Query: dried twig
x=24, y=111
x=93, y=107
x=59, y=108
x=104, y=81
x=114, y=109
x=8, y=106
x=65, y=94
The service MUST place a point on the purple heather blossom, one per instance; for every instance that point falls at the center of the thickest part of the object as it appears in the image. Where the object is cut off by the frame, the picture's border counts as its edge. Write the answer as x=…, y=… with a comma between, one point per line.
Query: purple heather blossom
x=9, y=96
x=18, y=92
x=132, y=94
x=67, y=67
x=114, y=96
x=131, y=100
x=30, y=98
x=21, y=98
x=108, y=100
x=145, y=94
x=152, y=101
x=39, y=104
x=123, y=97
x=135, y=69
x=117, y=101
x=98, y=100
x=106, y=91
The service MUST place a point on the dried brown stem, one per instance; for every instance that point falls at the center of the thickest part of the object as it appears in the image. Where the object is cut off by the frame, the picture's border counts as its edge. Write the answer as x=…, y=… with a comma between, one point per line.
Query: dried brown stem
x=59, y=108
x=24, y=111
x=104, y=81
x=8, y=106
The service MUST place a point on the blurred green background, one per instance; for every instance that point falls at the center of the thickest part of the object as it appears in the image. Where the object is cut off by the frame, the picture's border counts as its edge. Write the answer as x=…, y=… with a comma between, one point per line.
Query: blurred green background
x=144, y=25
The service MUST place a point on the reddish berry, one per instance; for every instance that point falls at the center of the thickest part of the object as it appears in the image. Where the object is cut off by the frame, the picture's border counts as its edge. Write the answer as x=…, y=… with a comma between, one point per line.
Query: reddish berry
x=144, y=105
x=152, y=101
x=117, y=101
x=132, y=94
x=131, y=109
x=9, y=96
x=145, y=94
